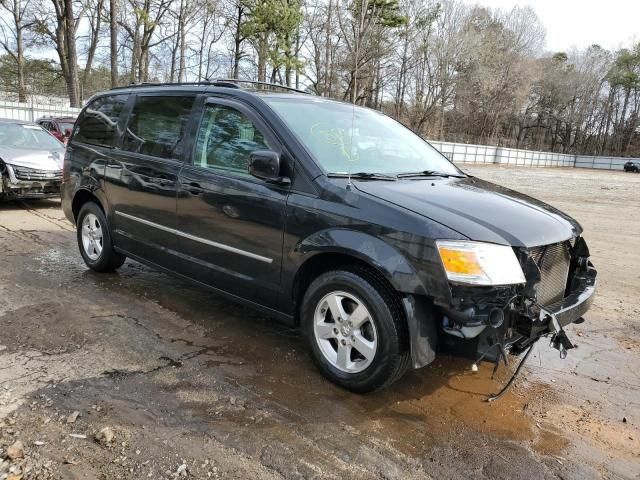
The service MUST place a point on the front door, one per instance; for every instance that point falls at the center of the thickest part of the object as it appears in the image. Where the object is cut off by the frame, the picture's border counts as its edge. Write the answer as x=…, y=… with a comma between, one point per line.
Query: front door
x=141, y=176
x=231, y=222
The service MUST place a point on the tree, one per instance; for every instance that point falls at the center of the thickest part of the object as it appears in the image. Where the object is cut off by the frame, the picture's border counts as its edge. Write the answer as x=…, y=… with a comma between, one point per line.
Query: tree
x=211, y=31
x=270, y=26
x=94, y=9
x=12, y=39
x=625, y=79
x=494, y=81
x=55, y=22
x=140, y=24
x=236, y=19
x=364, y=25
x=113, y=42
x=42, y=76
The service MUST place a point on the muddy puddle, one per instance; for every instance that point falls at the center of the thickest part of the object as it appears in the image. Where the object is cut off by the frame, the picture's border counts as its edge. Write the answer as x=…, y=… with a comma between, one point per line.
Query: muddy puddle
x=270, y=360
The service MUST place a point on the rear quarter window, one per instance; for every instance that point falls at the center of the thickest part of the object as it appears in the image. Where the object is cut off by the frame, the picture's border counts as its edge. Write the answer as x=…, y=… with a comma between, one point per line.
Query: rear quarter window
x=98, y=123
x=158, y=125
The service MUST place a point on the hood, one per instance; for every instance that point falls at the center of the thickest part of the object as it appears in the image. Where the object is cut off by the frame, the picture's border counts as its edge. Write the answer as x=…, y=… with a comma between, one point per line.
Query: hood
x=479, y=210
x=38, y=159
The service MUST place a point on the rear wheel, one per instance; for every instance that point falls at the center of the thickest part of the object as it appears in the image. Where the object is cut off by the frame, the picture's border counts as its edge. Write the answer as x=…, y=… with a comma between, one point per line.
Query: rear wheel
x=355, y=328
x=94, y=240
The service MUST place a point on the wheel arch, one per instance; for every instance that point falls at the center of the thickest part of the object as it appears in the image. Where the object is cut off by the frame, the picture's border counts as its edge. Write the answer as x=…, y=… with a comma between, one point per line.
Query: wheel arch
x=84, y=195
x=331, y=249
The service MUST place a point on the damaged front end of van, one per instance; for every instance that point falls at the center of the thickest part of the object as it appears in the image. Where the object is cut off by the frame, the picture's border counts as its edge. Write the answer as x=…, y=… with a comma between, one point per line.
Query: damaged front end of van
x=558, y=287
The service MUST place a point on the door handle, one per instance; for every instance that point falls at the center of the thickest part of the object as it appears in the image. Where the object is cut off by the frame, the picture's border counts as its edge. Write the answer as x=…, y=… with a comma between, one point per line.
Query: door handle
x=194, y=188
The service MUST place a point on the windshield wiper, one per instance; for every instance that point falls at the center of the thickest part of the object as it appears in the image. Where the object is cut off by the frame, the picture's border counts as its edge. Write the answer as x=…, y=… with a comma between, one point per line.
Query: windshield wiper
x=364, y=175
x=428, y=173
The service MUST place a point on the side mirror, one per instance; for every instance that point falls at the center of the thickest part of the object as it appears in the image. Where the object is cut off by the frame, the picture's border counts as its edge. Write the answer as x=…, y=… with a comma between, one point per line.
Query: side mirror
x=265, y=164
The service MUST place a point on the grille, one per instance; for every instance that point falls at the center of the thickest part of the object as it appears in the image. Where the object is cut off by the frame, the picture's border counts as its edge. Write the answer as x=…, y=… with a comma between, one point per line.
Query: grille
x=553, y=261
x=23, y=173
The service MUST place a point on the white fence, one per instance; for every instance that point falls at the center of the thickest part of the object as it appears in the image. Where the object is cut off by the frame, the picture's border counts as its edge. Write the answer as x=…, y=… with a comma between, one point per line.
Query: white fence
x=605, y=163
x=33, y=111
x=463, y=153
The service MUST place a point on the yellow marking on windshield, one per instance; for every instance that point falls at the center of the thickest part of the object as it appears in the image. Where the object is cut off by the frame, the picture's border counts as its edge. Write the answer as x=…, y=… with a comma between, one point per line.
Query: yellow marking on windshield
x=334, y=136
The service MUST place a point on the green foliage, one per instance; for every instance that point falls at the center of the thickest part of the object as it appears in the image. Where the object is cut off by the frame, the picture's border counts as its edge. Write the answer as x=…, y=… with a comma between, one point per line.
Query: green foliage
x=383, y=12
x=560, y=57
x=274, y=23
x=144, y=17
x=626, y=69
x=42, y=77
x=426, y=19
x=98, y=80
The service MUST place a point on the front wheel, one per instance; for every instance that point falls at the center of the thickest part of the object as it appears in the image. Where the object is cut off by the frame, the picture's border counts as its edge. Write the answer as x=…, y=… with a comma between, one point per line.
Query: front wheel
x=94, y=240
x=356, y=330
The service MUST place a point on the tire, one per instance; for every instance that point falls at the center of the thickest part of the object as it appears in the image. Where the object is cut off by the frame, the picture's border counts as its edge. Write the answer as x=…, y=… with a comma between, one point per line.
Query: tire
x=95, y=245
x=376, y=353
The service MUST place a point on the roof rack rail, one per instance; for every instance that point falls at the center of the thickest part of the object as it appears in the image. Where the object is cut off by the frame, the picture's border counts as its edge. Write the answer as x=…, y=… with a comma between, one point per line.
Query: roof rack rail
x=159, y=84
x=222, y=82
x=233, y=83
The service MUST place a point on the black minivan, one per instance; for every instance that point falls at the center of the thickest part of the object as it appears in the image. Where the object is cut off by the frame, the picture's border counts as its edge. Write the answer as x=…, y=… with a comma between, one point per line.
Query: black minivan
x=326, y=215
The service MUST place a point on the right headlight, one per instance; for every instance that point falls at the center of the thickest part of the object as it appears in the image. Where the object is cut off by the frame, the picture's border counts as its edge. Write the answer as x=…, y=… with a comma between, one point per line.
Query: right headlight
x=479, y=263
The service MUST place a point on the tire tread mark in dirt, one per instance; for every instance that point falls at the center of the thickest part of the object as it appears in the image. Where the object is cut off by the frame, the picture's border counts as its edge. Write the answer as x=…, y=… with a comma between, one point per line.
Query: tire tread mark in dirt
x=202, y=350
x=18, y=234
x=118, y=373
x=52, y=220
x=255, y=394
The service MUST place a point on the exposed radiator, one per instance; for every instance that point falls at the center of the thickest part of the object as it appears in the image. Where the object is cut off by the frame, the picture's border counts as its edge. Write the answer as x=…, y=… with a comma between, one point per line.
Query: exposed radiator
x=553, y=261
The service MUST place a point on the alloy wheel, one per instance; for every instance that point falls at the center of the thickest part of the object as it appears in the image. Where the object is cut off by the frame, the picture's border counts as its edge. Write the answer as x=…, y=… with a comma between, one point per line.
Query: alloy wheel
x=92, y=236
x=345, y=332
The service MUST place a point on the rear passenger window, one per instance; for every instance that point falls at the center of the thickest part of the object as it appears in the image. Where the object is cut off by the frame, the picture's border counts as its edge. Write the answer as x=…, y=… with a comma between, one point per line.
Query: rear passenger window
x=158, y=126
x=97, y=125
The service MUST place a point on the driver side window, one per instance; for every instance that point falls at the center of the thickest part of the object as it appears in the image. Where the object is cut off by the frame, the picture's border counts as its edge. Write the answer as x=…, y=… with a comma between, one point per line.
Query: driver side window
x=225, y=140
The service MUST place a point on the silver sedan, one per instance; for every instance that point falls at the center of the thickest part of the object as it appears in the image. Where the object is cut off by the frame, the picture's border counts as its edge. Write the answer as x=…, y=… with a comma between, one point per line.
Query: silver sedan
x=30, y=161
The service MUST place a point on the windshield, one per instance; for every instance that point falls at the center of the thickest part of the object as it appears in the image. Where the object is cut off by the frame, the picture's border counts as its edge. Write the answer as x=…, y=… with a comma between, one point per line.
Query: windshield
x=27, y=136
x=347, y=139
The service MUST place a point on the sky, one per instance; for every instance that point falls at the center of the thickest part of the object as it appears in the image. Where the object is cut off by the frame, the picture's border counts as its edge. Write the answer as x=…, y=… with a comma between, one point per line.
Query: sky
x=580, y=23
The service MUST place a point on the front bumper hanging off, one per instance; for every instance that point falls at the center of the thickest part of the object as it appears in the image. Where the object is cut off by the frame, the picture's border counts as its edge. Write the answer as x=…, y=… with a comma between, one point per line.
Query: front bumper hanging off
x=552, y=319
x=510, y=318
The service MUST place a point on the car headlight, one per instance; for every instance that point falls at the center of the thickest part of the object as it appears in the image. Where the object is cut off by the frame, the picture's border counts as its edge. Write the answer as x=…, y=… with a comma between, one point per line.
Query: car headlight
x=479, y=263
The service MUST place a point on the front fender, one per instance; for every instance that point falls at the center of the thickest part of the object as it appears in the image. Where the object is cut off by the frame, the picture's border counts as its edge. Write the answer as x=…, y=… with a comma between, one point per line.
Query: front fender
x=371, y=250
x=396, y=269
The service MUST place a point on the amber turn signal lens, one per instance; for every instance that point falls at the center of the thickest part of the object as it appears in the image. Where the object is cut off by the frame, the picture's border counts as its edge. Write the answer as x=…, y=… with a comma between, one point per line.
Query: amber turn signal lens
x=460, y=261
x=479, y=263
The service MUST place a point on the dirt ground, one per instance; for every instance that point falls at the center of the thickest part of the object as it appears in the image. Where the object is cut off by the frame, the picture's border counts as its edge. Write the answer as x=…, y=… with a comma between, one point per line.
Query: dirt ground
x=190, y=385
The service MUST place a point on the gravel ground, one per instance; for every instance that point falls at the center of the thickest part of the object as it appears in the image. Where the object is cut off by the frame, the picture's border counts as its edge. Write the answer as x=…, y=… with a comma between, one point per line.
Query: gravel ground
x=139, y=375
